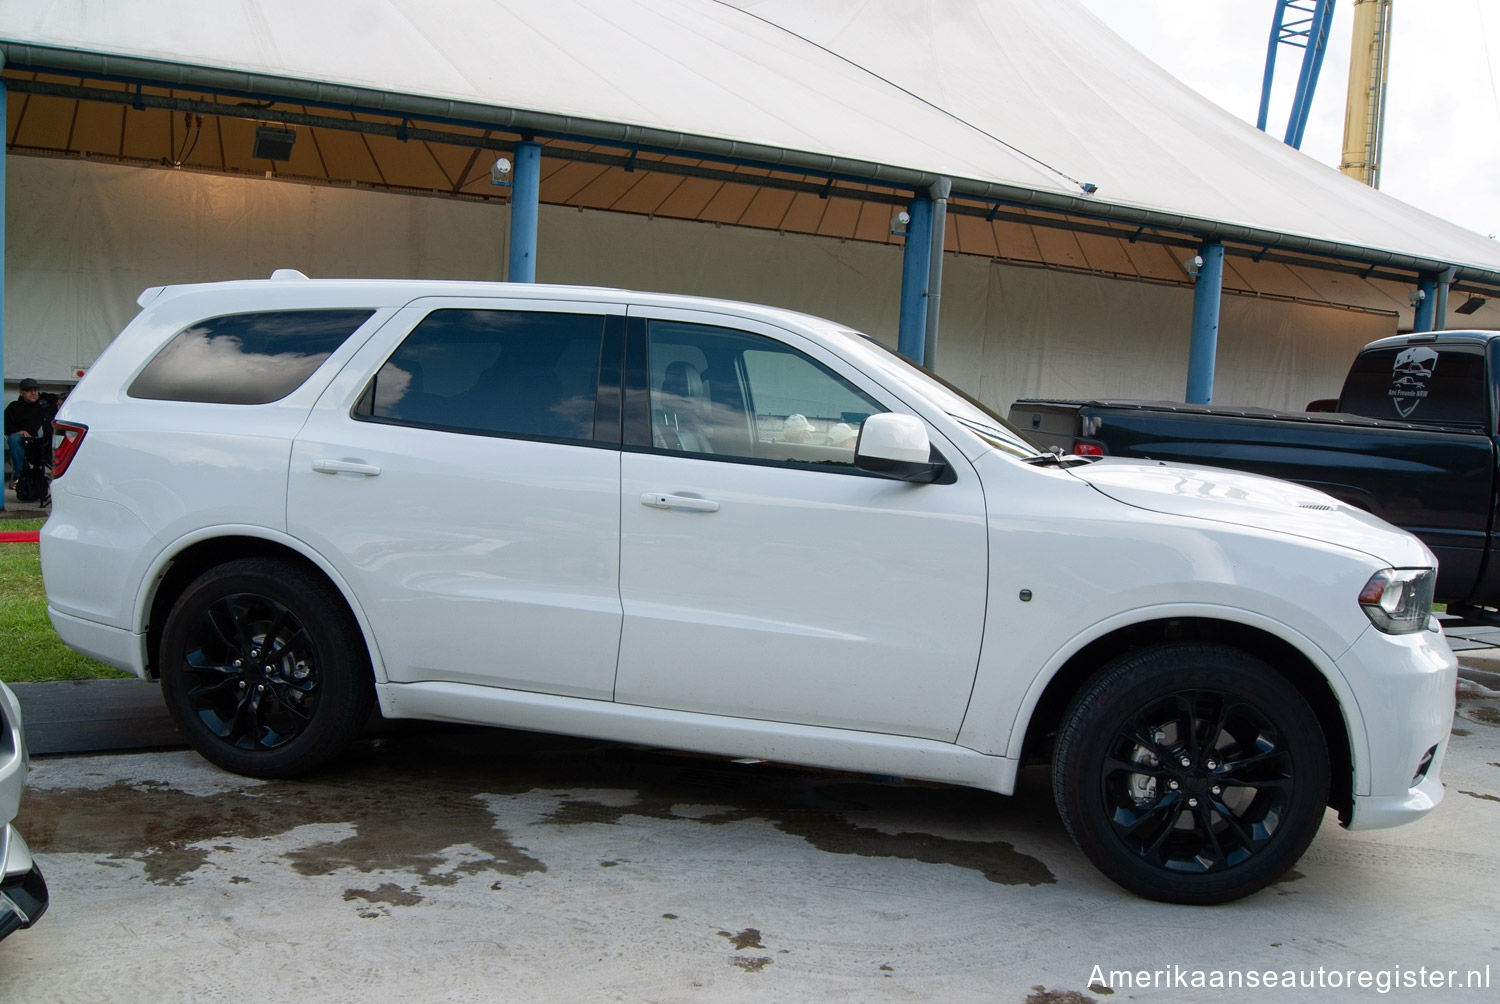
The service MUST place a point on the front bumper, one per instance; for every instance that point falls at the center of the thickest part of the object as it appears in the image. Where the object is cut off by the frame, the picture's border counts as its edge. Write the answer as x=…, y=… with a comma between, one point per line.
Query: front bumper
x=23, y=891
x=1404, y=689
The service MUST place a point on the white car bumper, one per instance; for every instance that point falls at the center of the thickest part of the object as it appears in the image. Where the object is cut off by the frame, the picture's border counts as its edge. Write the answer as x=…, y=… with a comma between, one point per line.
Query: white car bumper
x=1404, y=686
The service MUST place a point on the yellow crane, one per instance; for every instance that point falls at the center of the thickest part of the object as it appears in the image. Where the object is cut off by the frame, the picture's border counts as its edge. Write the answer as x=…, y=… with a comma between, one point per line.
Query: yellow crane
x=1364, y=111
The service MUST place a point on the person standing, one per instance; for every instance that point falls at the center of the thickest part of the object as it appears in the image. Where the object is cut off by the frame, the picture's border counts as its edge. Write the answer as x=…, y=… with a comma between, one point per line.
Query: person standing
x=25, y=417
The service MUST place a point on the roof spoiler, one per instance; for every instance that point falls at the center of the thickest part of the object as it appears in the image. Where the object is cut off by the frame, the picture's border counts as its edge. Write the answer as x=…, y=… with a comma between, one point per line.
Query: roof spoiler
x=283, y=274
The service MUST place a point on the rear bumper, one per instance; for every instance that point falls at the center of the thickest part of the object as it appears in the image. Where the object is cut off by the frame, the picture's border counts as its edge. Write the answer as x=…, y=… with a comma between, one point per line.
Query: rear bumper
x=113, y=646
x=23, y=891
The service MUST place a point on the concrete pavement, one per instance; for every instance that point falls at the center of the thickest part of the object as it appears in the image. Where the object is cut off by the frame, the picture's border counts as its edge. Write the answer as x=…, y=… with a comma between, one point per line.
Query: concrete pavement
x=491, y=865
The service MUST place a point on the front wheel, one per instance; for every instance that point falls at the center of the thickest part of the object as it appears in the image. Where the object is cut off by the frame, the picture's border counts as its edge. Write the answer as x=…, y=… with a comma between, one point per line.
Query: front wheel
x=263, y=670
x=1191, y=773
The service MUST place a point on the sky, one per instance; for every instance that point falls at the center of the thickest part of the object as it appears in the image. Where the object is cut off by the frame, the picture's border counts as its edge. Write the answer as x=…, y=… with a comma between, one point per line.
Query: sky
x=1442, y=129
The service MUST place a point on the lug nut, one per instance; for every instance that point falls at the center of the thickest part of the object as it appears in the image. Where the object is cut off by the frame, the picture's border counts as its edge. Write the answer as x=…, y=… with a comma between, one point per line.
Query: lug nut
x=1217, y=790
x=1185, y=762
x=1174, y=785
x=1193, y=803
x=1212, y=765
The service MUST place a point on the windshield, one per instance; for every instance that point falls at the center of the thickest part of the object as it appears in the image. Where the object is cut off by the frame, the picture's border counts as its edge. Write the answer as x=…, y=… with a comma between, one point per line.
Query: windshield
x=972, y=414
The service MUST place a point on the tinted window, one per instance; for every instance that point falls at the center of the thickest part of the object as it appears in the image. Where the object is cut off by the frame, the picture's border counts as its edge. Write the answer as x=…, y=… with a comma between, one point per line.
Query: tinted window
x=245, y=358
x=731, y=394
x=1418, y=383
x=499, y=372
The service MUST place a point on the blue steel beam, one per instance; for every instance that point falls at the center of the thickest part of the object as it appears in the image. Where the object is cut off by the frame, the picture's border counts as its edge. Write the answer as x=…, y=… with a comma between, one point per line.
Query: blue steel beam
x=911, y=341
x=1426, y=305
x=1204, y=347
x=3, y=128
x=526, y=194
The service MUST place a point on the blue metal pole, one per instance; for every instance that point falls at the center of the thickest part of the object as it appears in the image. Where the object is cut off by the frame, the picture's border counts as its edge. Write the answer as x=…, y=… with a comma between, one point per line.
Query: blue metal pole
x=4, y=130
x=526, y=194
x=1427, y=306
x=1207, y=290
x=911, y=342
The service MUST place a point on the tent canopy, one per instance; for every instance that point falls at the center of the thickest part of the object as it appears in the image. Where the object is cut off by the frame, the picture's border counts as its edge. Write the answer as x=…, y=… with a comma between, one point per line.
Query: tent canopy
x=1066, y=147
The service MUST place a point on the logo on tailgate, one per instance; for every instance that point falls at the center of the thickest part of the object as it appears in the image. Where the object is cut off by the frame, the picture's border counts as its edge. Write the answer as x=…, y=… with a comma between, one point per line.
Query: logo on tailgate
x=1409, y=379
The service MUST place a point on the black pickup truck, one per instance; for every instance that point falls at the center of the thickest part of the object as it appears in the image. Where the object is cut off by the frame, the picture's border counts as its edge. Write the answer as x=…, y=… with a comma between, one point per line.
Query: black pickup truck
x=1412, y=438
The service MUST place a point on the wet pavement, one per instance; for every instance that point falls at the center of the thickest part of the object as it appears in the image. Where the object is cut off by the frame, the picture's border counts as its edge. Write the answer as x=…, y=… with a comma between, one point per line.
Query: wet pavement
x=459, y=864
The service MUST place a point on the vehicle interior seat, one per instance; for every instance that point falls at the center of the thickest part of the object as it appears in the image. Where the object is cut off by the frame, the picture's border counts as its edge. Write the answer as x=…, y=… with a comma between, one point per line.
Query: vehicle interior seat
x=681, y=416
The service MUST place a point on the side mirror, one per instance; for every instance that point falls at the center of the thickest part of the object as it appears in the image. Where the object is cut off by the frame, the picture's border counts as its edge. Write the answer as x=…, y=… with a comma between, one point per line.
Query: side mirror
x=896, y=446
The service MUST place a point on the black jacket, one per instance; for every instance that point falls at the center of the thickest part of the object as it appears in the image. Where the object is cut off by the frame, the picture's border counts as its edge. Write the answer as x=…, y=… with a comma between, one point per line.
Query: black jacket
x=23, y=416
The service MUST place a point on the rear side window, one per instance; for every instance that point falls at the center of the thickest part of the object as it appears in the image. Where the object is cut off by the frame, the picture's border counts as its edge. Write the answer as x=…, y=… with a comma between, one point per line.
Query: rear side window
x=529, y=374
x=1418, y=383
x=245, y=358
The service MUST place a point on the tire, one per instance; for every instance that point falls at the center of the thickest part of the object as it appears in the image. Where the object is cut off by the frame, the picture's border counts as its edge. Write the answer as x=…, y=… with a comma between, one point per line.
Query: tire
x=1191, y=773
x=263, y=670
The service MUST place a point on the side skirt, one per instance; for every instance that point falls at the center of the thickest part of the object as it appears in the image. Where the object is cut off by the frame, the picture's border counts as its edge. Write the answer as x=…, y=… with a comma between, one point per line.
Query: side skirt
x=812, y=746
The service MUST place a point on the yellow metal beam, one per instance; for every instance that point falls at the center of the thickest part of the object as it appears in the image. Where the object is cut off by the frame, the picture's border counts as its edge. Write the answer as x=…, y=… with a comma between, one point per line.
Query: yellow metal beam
x=1364, y=111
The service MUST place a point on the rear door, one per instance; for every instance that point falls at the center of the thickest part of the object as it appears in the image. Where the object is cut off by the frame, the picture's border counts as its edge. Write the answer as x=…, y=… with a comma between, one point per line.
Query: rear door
x=762, y=575
x=463, y=475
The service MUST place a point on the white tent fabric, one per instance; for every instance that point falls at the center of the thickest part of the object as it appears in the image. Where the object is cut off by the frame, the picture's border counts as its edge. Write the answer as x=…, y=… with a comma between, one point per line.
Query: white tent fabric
x=86, y=238
x=1034, y=96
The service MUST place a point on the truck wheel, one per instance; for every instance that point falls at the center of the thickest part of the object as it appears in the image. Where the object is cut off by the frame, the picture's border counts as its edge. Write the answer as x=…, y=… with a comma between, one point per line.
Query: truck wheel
x=264, y=671
x=1191, y=773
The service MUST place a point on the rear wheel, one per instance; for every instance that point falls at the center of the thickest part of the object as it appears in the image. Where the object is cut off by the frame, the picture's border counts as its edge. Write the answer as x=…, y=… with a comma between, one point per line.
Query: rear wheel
x=1191, y=773
x=264, y=671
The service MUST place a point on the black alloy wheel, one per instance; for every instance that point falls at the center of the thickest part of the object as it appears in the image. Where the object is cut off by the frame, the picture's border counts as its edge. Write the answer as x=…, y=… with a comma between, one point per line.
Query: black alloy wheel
x=1191, y=773
x=263, y=670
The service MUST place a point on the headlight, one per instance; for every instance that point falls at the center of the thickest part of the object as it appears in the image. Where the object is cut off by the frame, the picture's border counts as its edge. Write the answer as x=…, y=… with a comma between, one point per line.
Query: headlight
x=1399, y=600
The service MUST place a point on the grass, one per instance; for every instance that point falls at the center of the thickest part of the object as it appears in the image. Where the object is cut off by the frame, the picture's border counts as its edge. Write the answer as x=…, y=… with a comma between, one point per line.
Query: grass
x=29, y=649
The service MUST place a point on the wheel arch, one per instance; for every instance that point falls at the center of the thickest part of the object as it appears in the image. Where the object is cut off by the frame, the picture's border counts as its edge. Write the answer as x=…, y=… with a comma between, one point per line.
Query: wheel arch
x=1294, y=664
x=180, y=565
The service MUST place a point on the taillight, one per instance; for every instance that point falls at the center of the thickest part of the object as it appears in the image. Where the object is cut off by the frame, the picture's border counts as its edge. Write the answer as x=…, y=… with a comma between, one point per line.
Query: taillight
x=66, y=438
x=1082, y=449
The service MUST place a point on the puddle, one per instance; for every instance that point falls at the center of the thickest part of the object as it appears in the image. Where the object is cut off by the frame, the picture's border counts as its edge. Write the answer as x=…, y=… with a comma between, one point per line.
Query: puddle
x=433, y=807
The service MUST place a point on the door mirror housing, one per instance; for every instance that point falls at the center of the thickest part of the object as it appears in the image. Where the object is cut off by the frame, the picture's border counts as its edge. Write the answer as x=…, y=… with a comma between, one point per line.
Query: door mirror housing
x=896, y=446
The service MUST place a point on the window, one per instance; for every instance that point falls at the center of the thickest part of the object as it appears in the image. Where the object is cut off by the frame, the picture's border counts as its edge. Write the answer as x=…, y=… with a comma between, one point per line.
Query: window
x=730, y=394
x=1418, y=383
x=498, y=372
x=245, y=358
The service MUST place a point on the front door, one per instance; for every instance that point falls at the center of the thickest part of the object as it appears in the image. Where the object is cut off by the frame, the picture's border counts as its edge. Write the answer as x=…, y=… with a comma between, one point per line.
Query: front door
x=763, y=576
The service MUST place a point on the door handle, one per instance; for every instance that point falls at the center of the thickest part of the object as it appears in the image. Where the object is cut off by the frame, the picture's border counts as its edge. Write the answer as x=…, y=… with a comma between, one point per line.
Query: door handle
x=345, y=467
x=660, y=500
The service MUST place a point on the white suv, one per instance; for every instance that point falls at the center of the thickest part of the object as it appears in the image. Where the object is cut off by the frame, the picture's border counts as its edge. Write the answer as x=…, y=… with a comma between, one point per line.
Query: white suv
x=731, y=529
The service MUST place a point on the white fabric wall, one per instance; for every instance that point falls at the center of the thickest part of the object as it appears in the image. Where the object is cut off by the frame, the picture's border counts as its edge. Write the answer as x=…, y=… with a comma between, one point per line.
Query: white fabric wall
x=84, y=239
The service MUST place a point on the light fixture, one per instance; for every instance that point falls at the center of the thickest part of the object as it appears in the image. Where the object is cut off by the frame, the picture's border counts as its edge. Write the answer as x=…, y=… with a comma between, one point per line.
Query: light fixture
x=1470, y=305
x=899, y=223
x=1417, y=296
x=273, y=142
x=1192, y=266
x=500, y=172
